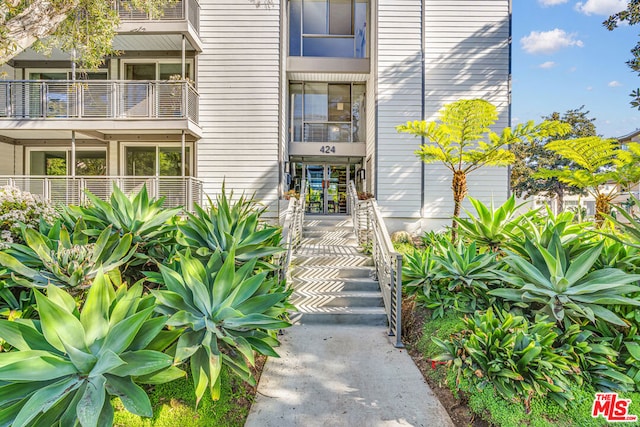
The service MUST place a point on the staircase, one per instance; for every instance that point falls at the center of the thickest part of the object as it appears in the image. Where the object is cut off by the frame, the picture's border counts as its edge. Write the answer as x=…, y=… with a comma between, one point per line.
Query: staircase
x=332, y=279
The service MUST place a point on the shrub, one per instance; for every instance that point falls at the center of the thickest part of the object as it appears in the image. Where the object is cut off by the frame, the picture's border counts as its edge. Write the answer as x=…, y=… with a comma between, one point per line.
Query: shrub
x=20, y=207
x=512, y=355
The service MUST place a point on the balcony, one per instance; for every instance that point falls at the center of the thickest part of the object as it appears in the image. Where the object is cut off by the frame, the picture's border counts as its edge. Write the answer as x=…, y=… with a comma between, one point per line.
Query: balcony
x=68, y=190
x=182, y=17
x=98, y=99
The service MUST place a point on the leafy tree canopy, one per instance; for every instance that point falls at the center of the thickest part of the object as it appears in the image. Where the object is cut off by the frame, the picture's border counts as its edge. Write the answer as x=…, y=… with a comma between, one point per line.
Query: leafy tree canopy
x=533, y=157
x=631, y=15
x=83, y=28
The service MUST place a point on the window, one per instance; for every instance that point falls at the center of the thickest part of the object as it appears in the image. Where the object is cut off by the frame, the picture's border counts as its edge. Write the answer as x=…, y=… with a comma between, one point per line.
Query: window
x=154, y=70
x=55, y=162
x=156, y=161
x=328, y=28
x=327, y=112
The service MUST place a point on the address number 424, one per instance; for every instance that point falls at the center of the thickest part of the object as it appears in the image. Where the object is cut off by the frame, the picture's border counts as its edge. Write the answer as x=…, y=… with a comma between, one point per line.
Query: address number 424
x=328, y=149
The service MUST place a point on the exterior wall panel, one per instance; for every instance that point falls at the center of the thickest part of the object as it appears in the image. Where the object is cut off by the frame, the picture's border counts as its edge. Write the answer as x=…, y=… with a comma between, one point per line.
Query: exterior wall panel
x=239, y=85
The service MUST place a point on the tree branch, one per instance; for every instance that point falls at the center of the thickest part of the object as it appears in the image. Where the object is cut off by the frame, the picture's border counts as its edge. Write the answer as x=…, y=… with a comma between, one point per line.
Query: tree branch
x=40, y=19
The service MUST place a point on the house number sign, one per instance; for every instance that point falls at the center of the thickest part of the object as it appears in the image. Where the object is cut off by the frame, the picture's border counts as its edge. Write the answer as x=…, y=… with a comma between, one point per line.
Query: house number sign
x=327, y=149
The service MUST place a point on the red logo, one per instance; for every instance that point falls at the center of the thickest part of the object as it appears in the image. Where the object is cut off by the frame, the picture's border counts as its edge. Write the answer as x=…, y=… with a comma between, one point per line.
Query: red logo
x=612, y=409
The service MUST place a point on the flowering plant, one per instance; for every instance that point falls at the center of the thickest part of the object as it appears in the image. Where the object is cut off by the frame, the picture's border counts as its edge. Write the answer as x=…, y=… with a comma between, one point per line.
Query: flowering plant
x=21, y=207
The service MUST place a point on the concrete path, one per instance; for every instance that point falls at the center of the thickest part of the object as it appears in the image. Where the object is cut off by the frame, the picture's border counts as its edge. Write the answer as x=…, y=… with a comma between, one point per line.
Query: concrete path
x=338, y=367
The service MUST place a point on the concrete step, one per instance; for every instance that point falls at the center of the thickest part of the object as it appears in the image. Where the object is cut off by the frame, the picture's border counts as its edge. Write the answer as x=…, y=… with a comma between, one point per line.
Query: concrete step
x=328, y=235
x=328, y=221
x=336, y=285
x=325, y=273
x=327, y=228
x=375, y=316
x=333, y=241
x=301, y=298
x=332, y=260
x=327, y=250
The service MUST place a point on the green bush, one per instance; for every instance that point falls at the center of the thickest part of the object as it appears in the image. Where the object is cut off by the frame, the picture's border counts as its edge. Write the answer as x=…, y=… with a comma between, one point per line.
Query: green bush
x=506, y=352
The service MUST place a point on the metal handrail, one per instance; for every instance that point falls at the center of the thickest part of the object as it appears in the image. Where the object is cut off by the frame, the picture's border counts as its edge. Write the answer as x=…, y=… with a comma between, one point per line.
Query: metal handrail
x=71, y=190
x=292, y=230
x=371, y=230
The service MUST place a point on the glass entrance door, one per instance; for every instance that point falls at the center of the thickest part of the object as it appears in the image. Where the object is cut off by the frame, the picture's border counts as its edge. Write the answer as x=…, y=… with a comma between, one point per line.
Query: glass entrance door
x=327, y=188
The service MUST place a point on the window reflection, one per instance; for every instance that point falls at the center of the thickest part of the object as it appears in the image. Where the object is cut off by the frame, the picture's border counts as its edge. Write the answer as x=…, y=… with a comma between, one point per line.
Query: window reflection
x=327, y=112
x=328, y=28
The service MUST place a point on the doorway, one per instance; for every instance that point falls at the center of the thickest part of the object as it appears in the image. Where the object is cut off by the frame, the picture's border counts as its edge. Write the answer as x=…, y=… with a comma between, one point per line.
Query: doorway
x=327, y=188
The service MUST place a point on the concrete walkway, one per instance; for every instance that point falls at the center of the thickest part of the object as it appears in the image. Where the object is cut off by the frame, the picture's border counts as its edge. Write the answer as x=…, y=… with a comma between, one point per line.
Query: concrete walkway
x=338, y=367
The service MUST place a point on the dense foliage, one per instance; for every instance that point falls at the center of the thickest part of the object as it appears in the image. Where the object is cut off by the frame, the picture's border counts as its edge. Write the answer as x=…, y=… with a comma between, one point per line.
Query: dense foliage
x=549, y=305
x=74, y=335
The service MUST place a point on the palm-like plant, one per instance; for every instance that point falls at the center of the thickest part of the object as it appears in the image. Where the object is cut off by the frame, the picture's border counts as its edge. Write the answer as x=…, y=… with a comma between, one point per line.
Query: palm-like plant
x=463, y=142
x=227, y=315
x=599, y=161
x=419, y=270
x=64, y=259
x=563, y=286
x=493, y=227
x=66, y=366
x=231, y=225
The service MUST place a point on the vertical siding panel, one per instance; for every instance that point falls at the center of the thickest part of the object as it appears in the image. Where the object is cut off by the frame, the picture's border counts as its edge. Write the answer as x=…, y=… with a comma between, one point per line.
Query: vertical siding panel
x=239, y=86
x=399, y=75
x=466, y=57
x=7, y=165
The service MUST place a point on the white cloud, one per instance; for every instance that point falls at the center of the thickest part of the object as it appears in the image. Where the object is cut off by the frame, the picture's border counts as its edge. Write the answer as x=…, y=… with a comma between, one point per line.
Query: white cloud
x=548, y=64
x=601, y=7
x=549, y=41
x=589, y=88
x=547, y=3
x=614, y=83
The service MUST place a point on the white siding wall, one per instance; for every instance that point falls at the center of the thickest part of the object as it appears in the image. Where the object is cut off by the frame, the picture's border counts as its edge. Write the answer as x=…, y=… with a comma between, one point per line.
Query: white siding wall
x=466, y=57
x=8, y=163
x=399, y=74
x=239, y=76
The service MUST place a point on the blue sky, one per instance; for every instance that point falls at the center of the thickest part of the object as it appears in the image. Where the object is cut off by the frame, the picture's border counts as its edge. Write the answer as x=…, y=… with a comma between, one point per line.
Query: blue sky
x=564, y=58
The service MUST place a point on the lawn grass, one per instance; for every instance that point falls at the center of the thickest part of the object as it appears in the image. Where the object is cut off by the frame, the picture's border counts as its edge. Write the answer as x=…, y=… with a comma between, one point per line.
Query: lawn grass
x=174, y=405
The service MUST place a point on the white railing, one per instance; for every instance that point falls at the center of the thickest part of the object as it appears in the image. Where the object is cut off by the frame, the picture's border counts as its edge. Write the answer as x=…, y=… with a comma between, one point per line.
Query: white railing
x=68, y=190
x=292, y=230
x=178, y=11
x=372, y=233
x=98, y=99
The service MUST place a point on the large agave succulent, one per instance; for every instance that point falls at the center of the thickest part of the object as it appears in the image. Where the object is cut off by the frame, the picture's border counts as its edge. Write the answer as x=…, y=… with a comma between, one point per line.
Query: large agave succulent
x=227, y=314
x=66, y=366
x=64, y=259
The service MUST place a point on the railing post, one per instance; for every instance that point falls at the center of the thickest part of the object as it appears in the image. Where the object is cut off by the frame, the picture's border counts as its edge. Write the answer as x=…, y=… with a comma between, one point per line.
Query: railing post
x=398, y=284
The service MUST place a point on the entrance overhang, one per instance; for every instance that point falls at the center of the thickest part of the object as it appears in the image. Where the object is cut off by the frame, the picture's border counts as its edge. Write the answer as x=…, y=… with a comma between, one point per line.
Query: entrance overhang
x=327, y=150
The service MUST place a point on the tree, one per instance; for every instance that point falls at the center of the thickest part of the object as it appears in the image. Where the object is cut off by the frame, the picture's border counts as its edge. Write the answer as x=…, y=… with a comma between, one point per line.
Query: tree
x=464, y=142
x=598, y=161
x=83, y=28
x=631, y=15
x=533, y=157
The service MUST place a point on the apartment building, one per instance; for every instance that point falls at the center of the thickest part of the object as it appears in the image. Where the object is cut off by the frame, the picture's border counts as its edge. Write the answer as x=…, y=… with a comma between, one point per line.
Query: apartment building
x=263, y=95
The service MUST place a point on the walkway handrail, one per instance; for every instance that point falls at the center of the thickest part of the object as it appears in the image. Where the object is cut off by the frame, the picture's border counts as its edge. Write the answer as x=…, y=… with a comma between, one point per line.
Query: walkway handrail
x=371, y=232
x=292, y=229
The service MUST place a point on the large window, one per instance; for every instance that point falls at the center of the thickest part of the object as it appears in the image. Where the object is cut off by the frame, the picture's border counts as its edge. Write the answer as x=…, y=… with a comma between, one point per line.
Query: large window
x=328, y=28
x=57, y=162
x=155, y=70
x=156, y=161
x=327, y=112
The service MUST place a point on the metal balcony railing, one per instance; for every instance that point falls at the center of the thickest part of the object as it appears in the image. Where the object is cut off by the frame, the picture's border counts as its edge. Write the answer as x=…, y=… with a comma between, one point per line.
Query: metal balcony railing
x=98, y=99
x=177, y=11
x=68, y=190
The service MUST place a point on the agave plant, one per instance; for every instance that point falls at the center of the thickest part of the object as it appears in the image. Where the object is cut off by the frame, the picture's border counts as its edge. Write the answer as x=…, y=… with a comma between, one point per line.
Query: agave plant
x=230, y=225
x=516, y=357
x=493, y=227
x=66, y=366
x=566, y=286
x=150, y=225
x=419, y=270
x=464, y=267
x=227, y=315
x=64, y=259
